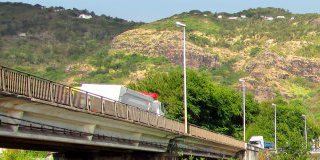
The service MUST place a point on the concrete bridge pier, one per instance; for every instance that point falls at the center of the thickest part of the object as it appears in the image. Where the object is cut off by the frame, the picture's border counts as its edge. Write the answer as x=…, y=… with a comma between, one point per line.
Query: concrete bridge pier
x=107, y=155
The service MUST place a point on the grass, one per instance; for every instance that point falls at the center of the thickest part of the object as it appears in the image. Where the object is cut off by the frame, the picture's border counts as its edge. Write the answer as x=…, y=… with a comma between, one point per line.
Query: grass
x=116, y=66
x=13, y=154
x=226, y=74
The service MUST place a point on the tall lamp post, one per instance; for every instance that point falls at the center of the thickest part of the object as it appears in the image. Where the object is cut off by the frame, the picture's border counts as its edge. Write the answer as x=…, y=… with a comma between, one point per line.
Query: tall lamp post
x=305, y=129
x=243, y=108
x=179, y=24
x=275, y=126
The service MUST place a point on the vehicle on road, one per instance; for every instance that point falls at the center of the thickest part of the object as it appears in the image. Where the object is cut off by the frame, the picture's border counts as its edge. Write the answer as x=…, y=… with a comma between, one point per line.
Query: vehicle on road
x=258, y=141
x=142, y=100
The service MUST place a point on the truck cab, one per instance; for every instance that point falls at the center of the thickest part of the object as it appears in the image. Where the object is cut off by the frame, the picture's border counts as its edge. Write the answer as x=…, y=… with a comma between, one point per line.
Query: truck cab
x=257, y=141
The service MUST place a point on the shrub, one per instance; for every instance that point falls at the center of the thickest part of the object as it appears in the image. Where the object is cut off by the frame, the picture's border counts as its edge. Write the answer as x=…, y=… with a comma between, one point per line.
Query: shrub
x=254, y=51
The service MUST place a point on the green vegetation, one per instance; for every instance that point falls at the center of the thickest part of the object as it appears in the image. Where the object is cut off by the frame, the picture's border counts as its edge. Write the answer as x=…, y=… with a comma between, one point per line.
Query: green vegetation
x=12, y=154
x=199, y=40
x=55, y=44
x=225, y=73
x=112, y=67
x=290, y=127
x=310, y=51
x=217, y=107
x=249, y=32
x=256, y=13
x=210, y=105
x=52, y=40
x=195, y=23
x=254, y=51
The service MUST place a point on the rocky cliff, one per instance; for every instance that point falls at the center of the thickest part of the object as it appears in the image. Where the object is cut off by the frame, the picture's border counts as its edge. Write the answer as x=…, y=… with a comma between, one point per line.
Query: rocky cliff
x=164, y=43
x=270, y=72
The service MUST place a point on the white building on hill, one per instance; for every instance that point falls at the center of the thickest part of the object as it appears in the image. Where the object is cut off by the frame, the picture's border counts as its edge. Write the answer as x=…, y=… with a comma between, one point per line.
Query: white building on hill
x=233, y=18
x=281, y=17
x=84, y=16
x=243, y=16
x=269, y=18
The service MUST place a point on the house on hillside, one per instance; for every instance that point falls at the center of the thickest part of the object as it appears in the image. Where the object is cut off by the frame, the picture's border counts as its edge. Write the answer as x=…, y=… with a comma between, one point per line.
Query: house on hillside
x=58, y=10
x=233, y=18
x=243, y=16
x=85, y=16
x=292, y=18
x=269, y=18
x=219, y=16
x=22, y=34
x=280, y=17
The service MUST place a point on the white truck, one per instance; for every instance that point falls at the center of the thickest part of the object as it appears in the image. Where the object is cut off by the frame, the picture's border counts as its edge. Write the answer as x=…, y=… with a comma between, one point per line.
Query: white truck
x=125, y=95
x=257, y=141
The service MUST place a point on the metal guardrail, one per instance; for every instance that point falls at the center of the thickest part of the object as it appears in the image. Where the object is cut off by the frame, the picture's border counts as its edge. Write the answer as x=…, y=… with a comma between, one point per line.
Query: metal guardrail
x=28, y=85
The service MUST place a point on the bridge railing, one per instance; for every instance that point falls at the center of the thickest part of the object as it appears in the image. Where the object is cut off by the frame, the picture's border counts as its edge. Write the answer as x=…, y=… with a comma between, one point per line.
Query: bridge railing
x=28, y=85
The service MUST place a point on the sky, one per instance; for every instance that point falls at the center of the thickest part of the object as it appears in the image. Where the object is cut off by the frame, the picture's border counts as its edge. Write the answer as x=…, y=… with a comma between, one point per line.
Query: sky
x=152, y=10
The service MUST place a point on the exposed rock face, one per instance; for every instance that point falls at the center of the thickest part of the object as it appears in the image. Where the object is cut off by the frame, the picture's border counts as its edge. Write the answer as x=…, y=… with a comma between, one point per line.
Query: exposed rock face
x=316, y=22
x=269, y=69
x=164, y=43
x=268, y=72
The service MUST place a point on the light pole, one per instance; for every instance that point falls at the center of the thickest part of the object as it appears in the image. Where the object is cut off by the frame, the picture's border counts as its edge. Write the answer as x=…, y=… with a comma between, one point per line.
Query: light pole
x=243, y=108
x=275, y=126
x=179, y=24
x=305, y=128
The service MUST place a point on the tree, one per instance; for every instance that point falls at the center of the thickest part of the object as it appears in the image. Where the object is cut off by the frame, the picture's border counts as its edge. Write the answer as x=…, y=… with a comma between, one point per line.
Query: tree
x=290, y=127
x=210, y=105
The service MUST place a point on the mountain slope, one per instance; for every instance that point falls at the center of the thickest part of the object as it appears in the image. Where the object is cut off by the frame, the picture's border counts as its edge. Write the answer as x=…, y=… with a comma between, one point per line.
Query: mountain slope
x=54, y=42
x=278, y=57
x=266, y=53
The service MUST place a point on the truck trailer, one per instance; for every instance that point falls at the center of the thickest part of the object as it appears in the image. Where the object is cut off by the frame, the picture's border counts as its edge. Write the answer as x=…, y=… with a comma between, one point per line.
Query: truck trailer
x=125, y=95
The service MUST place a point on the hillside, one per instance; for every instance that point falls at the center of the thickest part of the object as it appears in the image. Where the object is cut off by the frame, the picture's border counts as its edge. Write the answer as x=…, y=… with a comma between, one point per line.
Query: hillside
x=275, y=51
x=58, y=44
x=278, y=57
x=275, y=57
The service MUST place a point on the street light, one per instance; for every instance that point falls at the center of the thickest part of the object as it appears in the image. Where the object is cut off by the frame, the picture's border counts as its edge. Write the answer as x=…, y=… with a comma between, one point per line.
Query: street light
x=179, y=24
x=275, y=126
x=305, y=129
x=243, y=108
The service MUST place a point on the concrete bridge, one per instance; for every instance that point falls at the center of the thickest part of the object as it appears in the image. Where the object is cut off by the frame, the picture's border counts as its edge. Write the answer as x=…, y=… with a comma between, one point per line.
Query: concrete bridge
x=40, y=114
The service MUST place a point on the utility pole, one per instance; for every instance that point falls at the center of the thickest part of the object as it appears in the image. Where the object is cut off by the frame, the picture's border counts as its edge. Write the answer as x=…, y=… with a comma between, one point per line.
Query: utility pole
x=243, y=108
x=305, y=129
x=179, y=24
x=275, y=126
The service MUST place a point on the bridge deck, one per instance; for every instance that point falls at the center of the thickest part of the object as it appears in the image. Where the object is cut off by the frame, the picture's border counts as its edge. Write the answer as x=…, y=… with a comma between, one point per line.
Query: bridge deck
x=47, y=92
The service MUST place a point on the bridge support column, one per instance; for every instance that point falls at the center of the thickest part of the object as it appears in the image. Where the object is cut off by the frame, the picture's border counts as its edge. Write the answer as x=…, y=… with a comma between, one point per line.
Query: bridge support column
x=89, y=128
x=18, y=115
x=109, y=155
